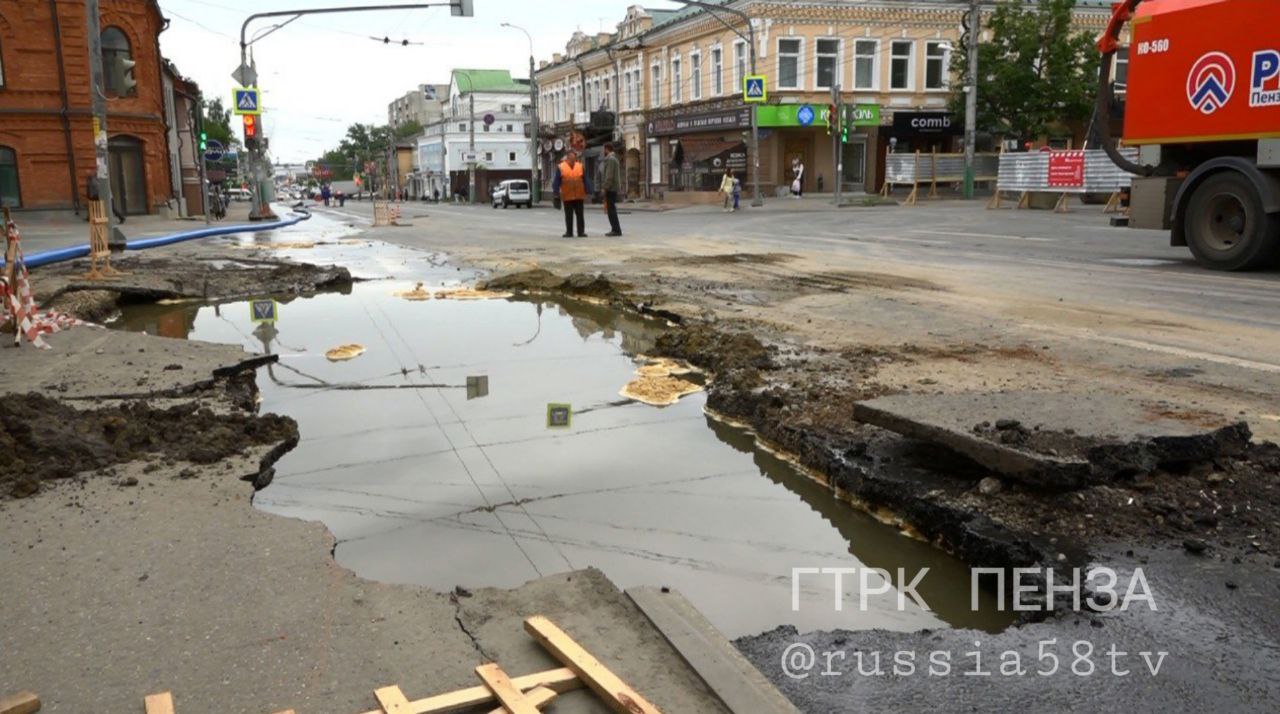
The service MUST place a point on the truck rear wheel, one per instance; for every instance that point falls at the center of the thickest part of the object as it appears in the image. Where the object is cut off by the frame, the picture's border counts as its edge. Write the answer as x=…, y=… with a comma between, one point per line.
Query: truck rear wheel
x=1226, y=226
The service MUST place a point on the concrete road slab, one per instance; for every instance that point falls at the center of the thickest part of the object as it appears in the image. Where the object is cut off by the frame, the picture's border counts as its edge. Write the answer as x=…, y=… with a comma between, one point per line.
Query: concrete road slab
x=1057, y=440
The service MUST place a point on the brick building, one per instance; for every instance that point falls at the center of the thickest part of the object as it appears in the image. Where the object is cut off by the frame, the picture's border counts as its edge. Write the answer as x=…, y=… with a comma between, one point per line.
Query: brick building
x=46, y=145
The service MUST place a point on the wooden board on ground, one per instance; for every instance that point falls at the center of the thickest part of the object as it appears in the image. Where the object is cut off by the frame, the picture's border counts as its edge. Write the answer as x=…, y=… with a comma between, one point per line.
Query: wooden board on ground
x=20, y=703
x=616, y=693
x=392, y=700
x=539, y=697
x=508, y=696
x=557, y=680
x=726, y=672
x=161, y=703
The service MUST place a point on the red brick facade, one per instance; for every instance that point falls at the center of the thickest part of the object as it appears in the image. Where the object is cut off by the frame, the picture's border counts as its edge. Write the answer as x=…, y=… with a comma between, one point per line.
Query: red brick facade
x=34, y=122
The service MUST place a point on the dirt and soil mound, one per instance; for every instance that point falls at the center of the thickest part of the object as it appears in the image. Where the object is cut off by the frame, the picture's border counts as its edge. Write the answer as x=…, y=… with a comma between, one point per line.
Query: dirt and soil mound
x=538, y=280
x=719, y=351
x=42, y=439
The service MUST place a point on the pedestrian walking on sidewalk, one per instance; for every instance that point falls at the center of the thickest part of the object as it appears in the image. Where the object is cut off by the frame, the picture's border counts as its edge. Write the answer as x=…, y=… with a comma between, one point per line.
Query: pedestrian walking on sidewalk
x=726, y=187
x=611, y=177
x=572, y=185
x=797, y=184
x=737, y=192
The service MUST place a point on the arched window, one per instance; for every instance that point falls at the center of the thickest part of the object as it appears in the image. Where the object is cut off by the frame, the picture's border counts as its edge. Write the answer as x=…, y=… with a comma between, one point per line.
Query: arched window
x=116, y=56
x=9, y=193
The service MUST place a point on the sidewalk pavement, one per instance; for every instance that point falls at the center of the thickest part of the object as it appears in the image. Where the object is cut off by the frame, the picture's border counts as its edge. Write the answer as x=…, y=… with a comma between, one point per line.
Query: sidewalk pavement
x=47, y=230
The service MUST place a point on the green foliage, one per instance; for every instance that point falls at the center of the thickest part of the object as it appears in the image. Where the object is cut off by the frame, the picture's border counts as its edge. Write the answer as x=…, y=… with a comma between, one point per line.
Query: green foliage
x=217, y=123
x=363, y=142
x=408, y=130
x=1036, y=71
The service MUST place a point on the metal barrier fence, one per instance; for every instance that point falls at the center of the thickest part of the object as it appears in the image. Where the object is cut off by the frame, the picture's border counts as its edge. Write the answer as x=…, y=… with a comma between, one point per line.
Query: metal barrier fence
x=918, y=168
x=1062, y=172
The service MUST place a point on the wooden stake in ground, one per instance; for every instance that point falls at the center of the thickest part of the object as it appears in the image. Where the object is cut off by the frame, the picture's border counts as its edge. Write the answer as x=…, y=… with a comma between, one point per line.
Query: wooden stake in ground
x=608, y=686
x=22, y=702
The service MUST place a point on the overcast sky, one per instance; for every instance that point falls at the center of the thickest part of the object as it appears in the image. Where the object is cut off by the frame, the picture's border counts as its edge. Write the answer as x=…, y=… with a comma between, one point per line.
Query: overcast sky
x=322, y=73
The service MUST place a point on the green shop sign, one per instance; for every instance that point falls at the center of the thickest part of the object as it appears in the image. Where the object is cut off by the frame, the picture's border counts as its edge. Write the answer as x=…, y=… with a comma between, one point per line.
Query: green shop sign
x=783, y=115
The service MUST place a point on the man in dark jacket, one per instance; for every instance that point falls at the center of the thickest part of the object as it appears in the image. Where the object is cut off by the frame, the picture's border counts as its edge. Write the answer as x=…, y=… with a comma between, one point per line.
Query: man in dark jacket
x=611, y=180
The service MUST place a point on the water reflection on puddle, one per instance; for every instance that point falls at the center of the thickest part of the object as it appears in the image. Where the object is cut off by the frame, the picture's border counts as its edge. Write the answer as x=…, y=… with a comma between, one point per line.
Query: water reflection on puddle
x=430, y=458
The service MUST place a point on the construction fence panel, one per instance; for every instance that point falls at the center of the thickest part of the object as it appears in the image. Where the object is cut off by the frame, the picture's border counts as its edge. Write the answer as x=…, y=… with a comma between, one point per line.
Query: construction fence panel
x=916, y=168
x=1080, y=171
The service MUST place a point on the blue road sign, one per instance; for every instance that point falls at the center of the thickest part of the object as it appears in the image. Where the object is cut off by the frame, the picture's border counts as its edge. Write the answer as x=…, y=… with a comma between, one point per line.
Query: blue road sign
x=213, y=150
x=263, y=310
x=805, y=115
x=753, y=88
x=245, y=100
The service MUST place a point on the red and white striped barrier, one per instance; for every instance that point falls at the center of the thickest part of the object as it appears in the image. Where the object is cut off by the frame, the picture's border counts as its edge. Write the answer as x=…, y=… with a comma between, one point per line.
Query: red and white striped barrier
x=19, y=303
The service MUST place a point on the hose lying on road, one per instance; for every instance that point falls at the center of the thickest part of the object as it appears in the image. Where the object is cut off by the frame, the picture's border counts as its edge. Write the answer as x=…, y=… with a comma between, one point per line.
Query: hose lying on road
x=59, y=255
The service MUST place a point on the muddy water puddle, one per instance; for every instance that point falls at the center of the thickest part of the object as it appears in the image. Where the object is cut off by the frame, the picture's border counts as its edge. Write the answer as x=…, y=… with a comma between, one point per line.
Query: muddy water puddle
x=431, y=457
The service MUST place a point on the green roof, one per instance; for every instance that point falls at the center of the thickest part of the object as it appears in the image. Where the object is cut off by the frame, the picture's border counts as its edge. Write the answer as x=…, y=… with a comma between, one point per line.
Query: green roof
x=488, y=80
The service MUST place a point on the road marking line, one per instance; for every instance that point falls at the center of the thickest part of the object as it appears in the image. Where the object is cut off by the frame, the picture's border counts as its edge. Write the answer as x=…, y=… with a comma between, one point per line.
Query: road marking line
x=1033, y=239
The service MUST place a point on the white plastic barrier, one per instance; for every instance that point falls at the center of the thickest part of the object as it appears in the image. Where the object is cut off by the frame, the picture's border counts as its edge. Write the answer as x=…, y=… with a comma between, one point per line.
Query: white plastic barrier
x=1070, y=172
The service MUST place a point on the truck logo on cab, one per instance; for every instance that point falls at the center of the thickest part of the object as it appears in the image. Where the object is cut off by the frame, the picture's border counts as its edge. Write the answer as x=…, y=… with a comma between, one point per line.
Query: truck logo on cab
x=1211, y=82
x=1265, y=87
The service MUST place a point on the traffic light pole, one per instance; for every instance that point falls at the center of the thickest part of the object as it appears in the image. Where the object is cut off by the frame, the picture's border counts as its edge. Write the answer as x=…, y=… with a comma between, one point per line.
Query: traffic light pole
x=98, y=100
x=834, y=125
x=971, y=98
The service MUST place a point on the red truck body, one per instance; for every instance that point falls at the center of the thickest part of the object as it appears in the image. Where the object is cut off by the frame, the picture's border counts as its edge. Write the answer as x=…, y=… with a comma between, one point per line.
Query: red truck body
x=1203, y=70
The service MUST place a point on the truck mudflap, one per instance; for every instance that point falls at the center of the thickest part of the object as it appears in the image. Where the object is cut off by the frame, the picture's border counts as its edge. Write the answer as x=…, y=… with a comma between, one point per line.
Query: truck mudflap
x=1268, y=185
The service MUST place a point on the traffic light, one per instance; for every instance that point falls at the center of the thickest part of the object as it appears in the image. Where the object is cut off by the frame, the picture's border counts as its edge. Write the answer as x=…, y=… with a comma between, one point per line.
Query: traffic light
x=833, y=119
x=204, y=141
x=250, y=131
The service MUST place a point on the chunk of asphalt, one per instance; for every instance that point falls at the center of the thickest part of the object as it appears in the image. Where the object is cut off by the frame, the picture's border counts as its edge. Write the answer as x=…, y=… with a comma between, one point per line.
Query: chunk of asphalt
x=1077, y=439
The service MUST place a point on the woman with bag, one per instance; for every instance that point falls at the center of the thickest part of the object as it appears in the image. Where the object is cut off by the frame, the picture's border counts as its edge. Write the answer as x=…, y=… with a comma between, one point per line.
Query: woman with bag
x=797, y=184
x=726, y=187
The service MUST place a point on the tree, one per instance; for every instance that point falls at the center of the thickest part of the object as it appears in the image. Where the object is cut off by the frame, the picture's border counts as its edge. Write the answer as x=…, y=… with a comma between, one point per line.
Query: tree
x=217, y=123
x=1036, y=71
x=408, y=130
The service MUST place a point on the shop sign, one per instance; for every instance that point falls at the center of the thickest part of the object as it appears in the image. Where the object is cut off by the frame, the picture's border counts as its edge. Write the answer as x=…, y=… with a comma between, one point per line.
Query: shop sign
x=707, y=121
x=936, y=123
x=862, y=114
x=781, y=115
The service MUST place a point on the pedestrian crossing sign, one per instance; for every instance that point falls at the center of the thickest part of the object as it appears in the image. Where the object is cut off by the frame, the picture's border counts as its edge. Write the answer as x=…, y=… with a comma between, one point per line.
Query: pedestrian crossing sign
x=245, y=100
x=753, y=88
x=263, y=311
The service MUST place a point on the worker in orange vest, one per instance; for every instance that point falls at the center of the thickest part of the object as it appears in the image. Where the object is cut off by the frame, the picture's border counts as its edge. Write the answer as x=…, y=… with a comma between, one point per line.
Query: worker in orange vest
x=572, y=184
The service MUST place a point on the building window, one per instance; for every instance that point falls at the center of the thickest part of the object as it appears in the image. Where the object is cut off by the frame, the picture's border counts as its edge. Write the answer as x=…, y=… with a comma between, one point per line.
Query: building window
x=717, y=71
x=486, y=128
x=900, y=52
x=488, y=156
x=626, y=88
x=864, y=64
x=9, y=193
x=510, y=128
x=739, y=64
x=695, y=75
x=935, y=65
x=828, y=64
x=636, y=79
x=511, y=157
x=608, y=92
x=675, y=81
x=115, y=52
x=655, y=85
x=789, y=63
x=1120, y=72
x=462, y=126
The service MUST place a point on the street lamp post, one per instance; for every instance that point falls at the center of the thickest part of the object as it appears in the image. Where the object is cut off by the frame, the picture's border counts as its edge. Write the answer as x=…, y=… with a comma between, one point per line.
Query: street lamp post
x=458, y=8
x=535, y=173
x=750, y=39
x=471, y=140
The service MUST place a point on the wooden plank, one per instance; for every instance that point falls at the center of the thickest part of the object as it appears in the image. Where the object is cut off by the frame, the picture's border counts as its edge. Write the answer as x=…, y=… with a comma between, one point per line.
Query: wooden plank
x=392, y=700
x=538, y=696
x=20, y=703
x=616, y=693
x=161, y=703
x=558, y=680
x=742, y=688
x=504, y=691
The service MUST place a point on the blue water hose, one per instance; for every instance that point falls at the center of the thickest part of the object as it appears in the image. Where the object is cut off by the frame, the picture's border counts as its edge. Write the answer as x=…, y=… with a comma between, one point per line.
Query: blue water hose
x=58, y=255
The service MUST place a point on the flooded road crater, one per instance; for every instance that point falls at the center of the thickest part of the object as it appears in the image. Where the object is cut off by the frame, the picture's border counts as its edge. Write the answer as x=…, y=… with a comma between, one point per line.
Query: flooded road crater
x=435, y=456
